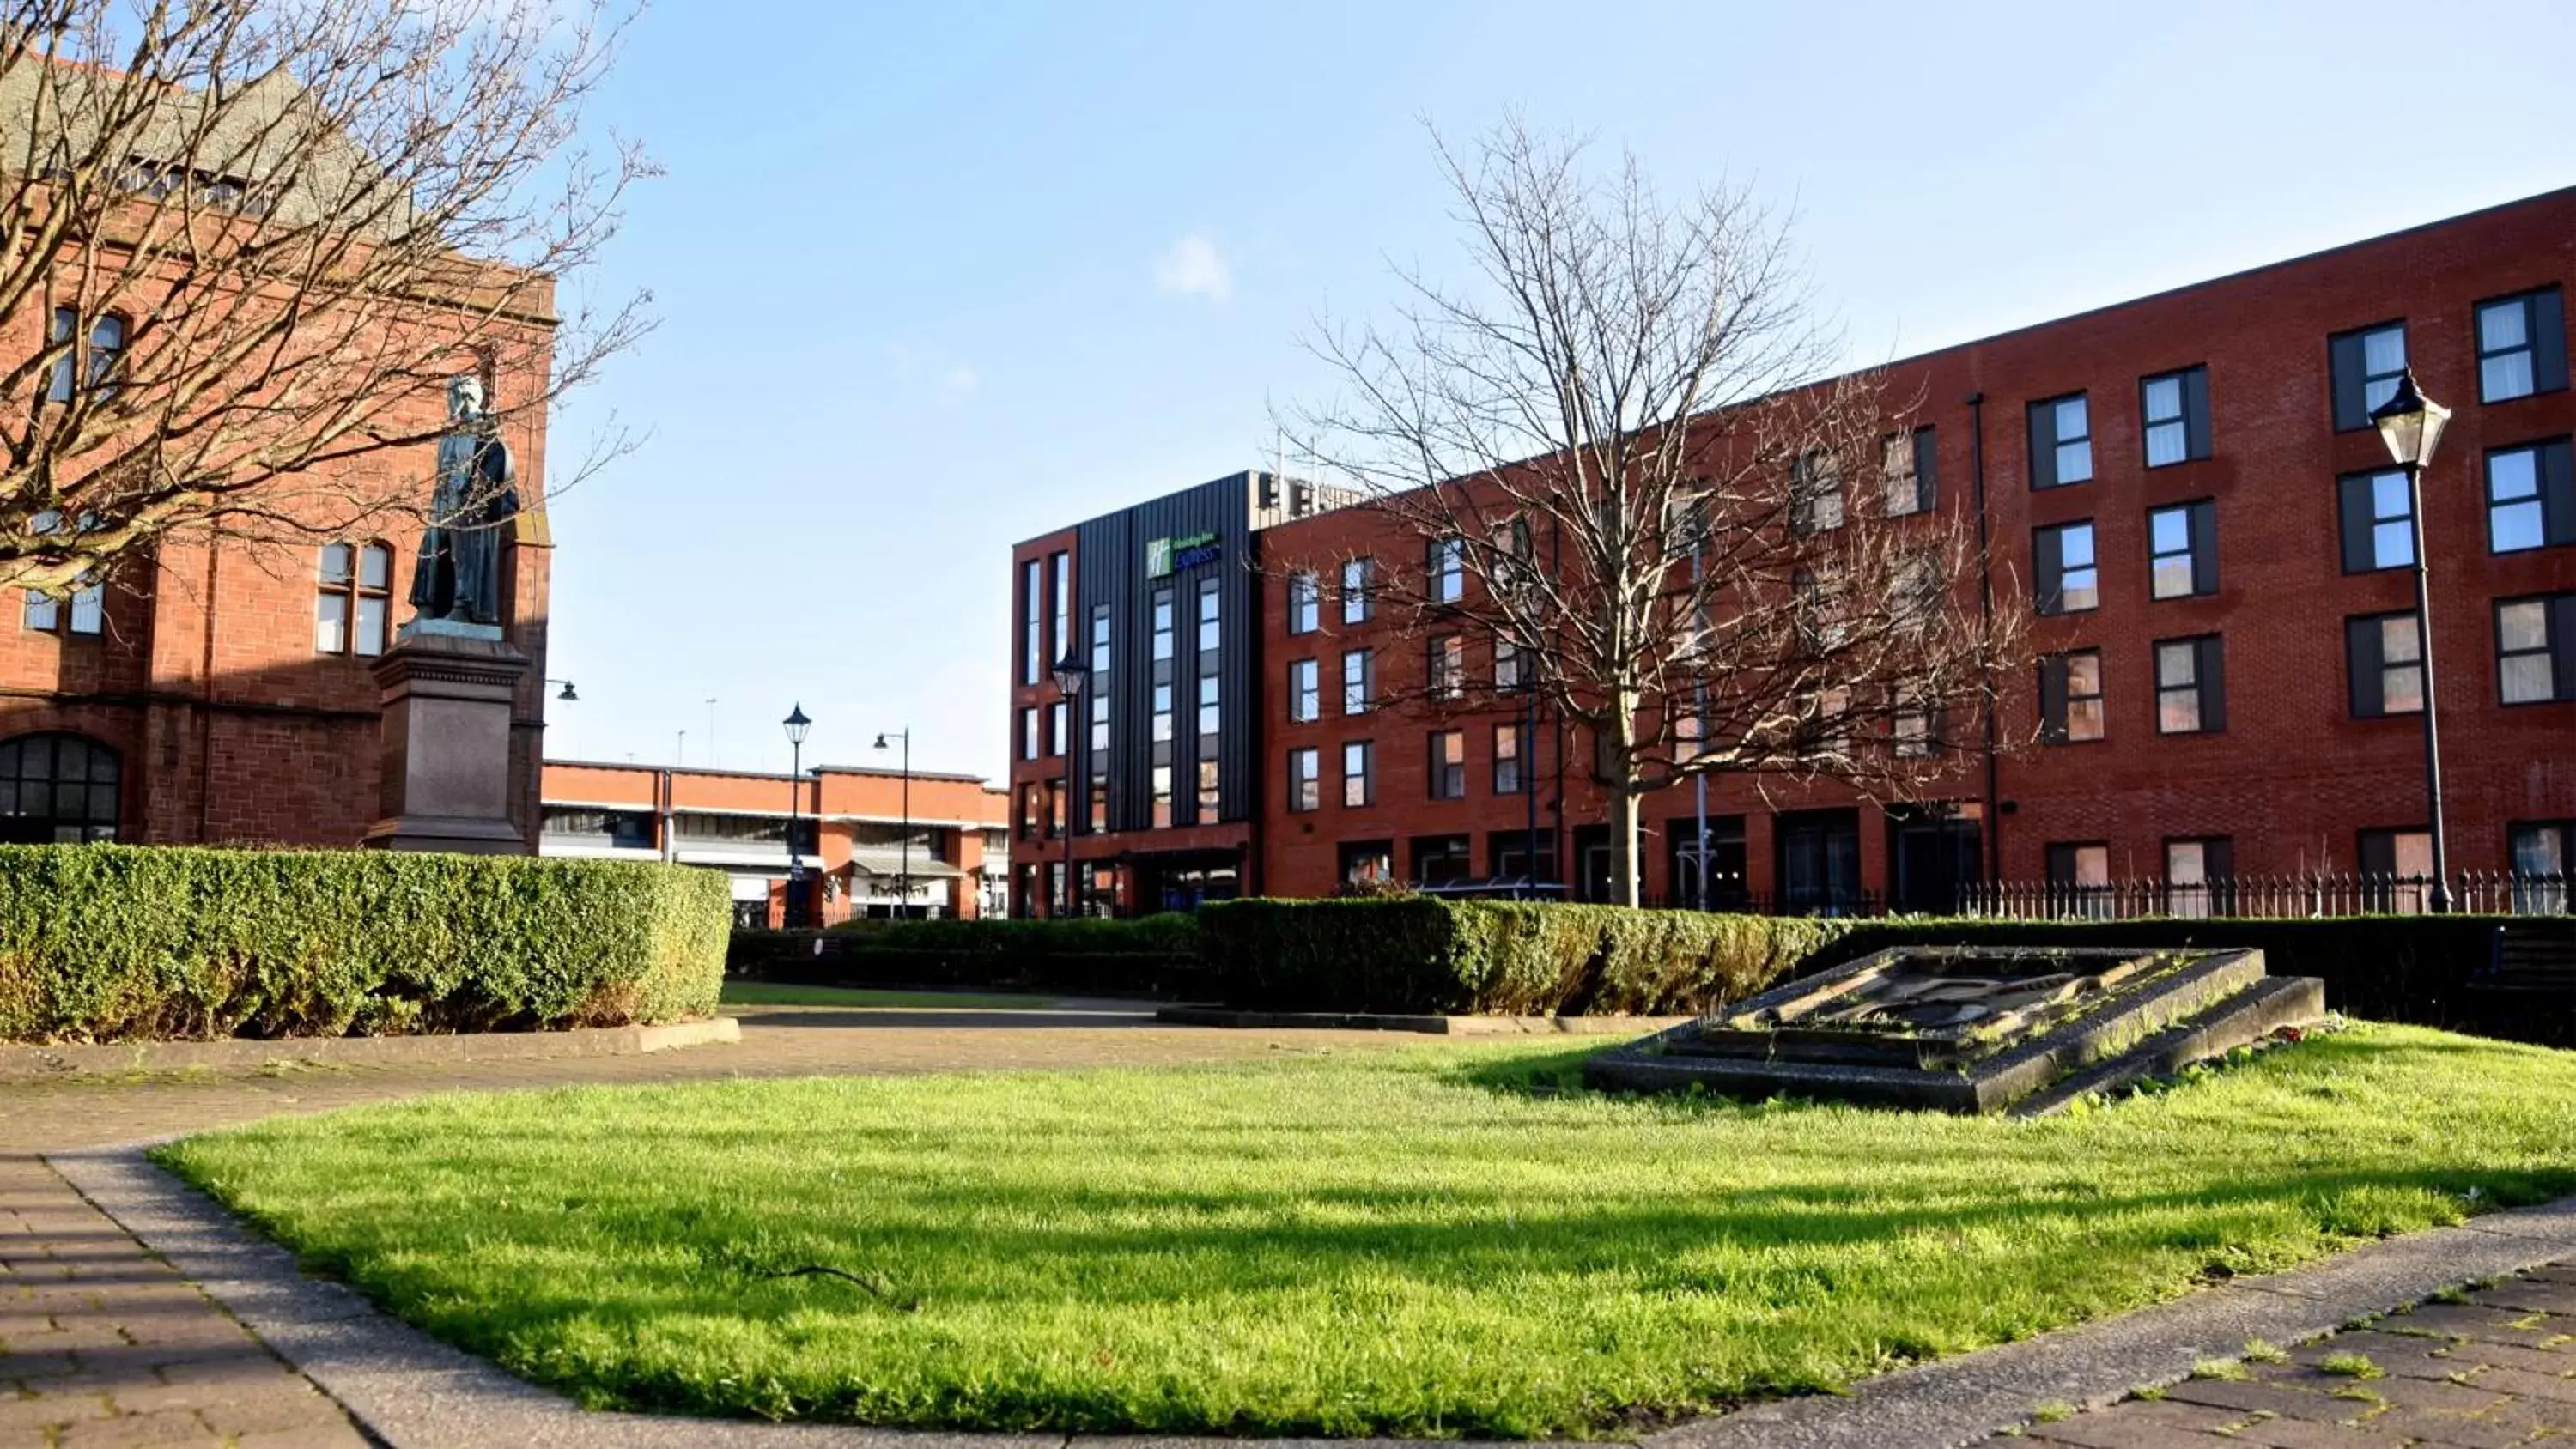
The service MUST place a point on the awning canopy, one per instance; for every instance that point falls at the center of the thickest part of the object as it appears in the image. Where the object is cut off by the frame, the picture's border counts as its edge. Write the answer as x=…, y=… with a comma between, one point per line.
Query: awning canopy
x=888, y=860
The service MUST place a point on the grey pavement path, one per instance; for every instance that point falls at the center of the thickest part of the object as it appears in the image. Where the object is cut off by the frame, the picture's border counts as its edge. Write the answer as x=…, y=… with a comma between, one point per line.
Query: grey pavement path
x=104, y=1343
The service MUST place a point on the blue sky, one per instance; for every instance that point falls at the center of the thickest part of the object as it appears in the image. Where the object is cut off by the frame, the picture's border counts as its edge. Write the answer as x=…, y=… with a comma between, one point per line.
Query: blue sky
x=933, y=279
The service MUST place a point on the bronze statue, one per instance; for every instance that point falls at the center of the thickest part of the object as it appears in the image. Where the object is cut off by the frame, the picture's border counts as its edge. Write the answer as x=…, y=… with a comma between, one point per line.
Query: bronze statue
x=458, y=577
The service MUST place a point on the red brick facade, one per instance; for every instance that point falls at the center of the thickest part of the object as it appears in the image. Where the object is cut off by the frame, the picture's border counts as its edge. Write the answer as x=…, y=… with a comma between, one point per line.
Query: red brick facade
x=2291, y=780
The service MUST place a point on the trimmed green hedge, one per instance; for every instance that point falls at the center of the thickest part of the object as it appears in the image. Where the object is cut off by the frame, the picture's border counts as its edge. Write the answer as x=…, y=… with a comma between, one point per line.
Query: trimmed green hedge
x=1423, y=955
x=1144, y=956
x=108, y=942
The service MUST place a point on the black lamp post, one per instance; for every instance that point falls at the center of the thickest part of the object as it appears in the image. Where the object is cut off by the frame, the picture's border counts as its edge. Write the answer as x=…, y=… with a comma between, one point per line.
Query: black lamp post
x=796, y=724
x=2411, y=425
x=1071, y=675
x=903, y=867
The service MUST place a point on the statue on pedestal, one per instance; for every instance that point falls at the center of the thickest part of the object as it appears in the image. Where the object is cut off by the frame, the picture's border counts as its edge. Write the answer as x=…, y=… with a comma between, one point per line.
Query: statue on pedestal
x=457, y=579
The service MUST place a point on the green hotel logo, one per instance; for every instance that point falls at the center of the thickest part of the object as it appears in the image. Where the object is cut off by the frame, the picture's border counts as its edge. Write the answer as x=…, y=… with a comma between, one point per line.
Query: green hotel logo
x=1164, y=555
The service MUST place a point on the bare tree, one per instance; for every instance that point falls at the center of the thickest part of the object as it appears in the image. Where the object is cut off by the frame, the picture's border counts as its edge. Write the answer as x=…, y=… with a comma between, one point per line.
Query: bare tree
x=1628, y=482
x=244, y=243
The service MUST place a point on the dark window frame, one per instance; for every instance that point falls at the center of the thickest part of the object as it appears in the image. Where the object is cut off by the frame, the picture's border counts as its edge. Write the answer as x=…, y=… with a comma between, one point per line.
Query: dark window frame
x=2553, y=495
x=2057, y=699
x=2365, y=660
x=2048, y=566
x=2045, y=441
x=2557, y=645
x=1438, y=769
x=2544, y=336
x=2348, y=378
x=2192, y=398
x=2208, y=683
x=2199, y=550
x=2358, y=519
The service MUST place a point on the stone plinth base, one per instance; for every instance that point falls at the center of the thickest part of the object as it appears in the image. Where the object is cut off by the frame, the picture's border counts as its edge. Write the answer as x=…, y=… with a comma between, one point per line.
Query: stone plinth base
x=446, y=771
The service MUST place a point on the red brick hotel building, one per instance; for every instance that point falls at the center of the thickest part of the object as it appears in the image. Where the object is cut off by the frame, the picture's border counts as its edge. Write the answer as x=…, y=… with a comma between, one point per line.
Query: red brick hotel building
x=2190, y=479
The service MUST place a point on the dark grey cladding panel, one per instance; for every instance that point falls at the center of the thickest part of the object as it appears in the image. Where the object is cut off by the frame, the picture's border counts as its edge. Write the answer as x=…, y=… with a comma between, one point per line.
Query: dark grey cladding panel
x=1113, y=554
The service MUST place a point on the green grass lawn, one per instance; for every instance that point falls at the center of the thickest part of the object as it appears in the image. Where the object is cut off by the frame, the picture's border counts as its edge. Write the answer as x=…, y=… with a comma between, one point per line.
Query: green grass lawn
x=767, y=993
x=1404, y=1243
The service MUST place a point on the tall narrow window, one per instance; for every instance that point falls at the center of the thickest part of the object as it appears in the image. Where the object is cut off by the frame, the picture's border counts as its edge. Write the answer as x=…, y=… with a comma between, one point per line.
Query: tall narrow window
x=1359, y=681
x=2386, y=662
x=2062, y=563
x=2536, y=648
x=2182, y=550
x=1907, y=470
x=1305, y=786
x=1446, y=570
x=2378, y=521
x=1305, y=692
x=2531, y=497
x=2070, y=697
x=1305, y=604
x=1446, y=666
x=1211, y=714
x=1509, y=778
x=1096, y=811
x=1359, y=773
x=1031, y=746
x=2175, y=409
x=355, y=593
x=1448, y=765
x=2191, y=687
x=1913, y=728
x=106, y=351
x=1032, y=610
x=2365, y=364
x=1164, y=680
x=1510, y=665
x=1057, y=740
x=1060, y=566
x=2522, y=346
x=2061, y=442
x=1355, y=590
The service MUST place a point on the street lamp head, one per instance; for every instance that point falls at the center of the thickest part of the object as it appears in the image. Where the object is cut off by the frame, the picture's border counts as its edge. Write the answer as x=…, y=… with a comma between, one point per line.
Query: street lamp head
x=881, y=742
x=1071, y=675
x=796, y=724
x=2410, y=423
x=568, y=696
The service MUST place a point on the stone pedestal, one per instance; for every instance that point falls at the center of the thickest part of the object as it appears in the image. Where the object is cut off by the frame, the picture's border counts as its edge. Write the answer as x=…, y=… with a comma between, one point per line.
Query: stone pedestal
x=448, y=700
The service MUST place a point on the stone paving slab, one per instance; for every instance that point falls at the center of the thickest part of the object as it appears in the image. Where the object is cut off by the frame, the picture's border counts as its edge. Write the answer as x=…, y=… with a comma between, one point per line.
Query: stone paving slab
x=43, y=1063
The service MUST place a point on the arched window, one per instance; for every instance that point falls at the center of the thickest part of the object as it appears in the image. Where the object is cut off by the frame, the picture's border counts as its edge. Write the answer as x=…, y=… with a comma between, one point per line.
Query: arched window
x=106, y=349
x=56, y=790
x=356, y=593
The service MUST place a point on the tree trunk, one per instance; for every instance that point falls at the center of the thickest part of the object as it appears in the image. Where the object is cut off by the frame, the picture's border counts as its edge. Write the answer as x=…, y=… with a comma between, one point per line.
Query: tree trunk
x=1614, y=765
x=1625, y=874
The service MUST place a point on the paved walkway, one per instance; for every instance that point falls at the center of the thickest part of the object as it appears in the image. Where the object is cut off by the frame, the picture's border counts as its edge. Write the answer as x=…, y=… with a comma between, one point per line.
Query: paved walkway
x=103, y=1344
x=2496, y=1368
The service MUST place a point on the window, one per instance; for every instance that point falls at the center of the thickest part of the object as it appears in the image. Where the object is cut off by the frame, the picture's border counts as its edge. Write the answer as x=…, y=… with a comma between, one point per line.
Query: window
x=2536, y=648
x=2191, y=687
x=2378, y=521
x=2061, y=442
x=2079, y=879
x=355, y=593
x=1054, y=810
x=1365, y=862
x=2200, y=876
x=1305, y=604
x=106, y=349
x=57, y=789
x=2070, y=697
x=1356, y=602
x=1441, y=859
x=2398, y=868
x=1448, y=765
x=2522, y=346
x=1305, y=788
x=2175, y=408
x=1028, y=811
x=1914, y=727
x=2386, y=662
x=1032, y=609
x=2365, y=364
x=1445, y=570
x=1031, y=747
x=1305, y=694
x=2062, y=563
x=1097, y=812
x=1359, y=773
x=612, y=829
x=1359, y=681
x=1057, y=739
x=2182, y=550
x=1815, y=494
x=1211, y=714
x=1211, y=634
x=1509, y=777
x=2541, y=855
x=1510, y=667
x=1060, y=565
x=2531, y=497
x=1445, y=667
x=1907, y=468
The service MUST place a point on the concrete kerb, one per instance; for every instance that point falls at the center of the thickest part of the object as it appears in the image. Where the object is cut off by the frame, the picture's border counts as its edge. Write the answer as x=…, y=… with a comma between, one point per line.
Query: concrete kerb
x=19, y=1062
x=417, y=1393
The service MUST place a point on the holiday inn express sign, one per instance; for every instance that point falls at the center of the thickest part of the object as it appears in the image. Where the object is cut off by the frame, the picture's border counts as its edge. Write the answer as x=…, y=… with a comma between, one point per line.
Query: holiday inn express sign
x=1165, y=555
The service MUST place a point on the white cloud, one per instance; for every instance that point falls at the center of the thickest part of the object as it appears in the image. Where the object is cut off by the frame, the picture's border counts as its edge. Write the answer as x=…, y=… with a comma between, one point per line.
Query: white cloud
x=1194, y=268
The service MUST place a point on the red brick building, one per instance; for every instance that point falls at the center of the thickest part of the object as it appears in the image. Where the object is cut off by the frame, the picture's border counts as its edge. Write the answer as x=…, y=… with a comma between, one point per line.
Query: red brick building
x=2189, y=479
x=218, y=689
x=933, y=846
